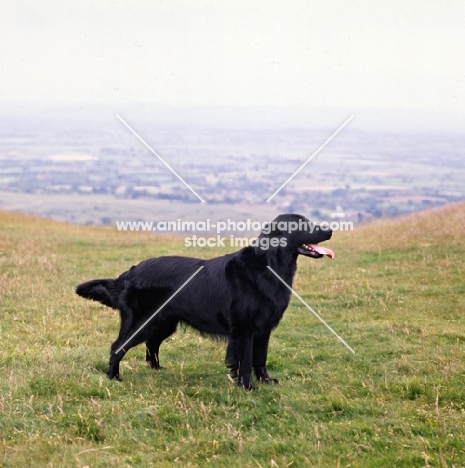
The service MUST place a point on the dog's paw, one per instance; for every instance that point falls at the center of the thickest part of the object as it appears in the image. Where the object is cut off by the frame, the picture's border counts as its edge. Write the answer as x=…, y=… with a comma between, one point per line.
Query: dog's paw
x=114, y=377
x=246, y=382
x=155, y=367
x=249, y=387
x=263, y=377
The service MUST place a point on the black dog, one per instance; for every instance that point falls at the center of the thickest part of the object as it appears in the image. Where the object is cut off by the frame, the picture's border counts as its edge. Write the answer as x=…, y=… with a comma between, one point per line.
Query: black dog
x=235, y=296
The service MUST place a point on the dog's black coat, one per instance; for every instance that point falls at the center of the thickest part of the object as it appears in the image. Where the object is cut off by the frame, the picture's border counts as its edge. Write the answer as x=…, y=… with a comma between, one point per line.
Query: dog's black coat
x=235, y=296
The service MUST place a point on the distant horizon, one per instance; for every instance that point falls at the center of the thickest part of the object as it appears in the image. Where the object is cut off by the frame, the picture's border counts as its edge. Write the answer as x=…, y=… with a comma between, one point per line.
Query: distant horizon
x=370, y=119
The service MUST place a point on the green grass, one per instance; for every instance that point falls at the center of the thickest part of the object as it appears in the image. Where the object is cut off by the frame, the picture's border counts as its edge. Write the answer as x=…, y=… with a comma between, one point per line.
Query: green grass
x=394, y=292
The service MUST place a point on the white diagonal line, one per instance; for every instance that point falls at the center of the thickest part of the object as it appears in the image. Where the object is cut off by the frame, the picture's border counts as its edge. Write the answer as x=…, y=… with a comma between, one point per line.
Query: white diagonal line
x=160, y=158
x=312, y=156
x=312, y=311
x=155, y=313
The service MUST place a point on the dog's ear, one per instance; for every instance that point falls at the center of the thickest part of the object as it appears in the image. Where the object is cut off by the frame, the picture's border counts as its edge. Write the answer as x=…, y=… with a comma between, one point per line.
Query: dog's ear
x=271, y=230
x=259, y=251
x=262, y=243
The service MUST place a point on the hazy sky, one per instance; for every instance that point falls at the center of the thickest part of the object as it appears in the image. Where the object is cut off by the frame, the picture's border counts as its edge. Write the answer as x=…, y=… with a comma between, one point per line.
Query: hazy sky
x=393, y=54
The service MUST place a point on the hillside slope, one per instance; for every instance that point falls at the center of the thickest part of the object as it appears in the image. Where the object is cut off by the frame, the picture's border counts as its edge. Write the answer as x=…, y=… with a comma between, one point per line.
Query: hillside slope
x=394, y=292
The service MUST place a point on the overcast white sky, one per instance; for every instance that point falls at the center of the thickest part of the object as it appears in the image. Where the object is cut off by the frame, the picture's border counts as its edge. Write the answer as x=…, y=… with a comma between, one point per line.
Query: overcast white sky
x=396, y=54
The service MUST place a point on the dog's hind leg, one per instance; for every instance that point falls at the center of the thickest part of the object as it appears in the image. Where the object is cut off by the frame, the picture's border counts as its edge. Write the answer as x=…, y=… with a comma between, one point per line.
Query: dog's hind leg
x=163, y=329
x=125, y=340
x=260, y=353
x=115, y=359
x=120, y=347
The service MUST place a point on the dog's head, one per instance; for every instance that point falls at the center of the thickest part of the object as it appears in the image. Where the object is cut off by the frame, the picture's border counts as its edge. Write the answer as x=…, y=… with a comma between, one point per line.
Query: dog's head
x=296, y=234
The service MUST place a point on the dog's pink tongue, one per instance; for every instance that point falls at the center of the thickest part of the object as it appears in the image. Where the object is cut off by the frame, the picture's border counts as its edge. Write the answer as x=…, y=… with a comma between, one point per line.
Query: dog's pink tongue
x=323, y=250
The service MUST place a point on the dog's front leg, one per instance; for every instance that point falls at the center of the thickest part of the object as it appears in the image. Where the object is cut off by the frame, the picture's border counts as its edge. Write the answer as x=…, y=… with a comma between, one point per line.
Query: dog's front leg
x=232, y=359
x=244, y=378
x=260, y=353
x=239, y=359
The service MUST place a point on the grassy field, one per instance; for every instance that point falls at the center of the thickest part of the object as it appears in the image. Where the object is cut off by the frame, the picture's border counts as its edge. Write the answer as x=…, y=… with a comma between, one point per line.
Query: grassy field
x=394, y=292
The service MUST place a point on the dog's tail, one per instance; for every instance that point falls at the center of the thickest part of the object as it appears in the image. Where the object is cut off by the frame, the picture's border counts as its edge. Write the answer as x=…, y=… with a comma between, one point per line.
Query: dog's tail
x=105, y=291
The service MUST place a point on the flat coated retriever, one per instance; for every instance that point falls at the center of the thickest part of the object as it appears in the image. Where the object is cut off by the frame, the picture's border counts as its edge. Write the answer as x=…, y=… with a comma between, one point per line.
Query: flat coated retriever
x=234, y=296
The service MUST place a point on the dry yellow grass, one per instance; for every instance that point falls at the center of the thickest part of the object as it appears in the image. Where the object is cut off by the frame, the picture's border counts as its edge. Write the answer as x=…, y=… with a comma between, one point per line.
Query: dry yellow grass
x=394, y=292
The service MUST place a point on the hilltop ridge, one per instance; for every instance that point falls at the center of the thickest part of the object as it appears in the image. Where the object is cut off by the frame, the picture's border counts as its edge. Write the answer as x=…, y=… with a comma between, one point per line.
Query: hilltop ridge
x=427, y=224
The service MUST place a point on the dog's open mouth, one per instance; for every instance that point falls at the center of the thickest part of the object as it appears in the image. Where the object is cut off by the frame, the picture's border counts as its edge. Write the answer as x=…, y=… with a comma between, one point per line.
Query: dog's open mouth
x=315, y=250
